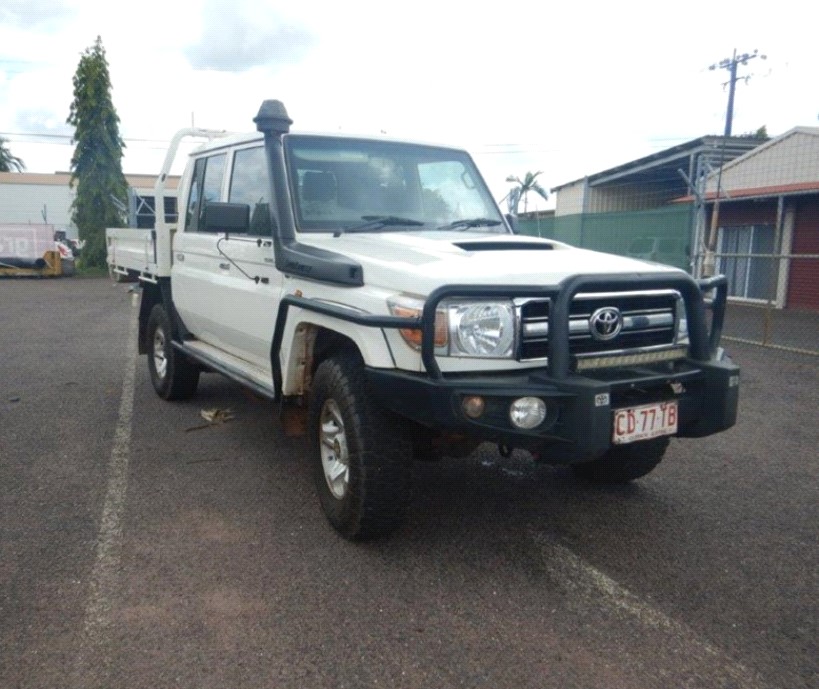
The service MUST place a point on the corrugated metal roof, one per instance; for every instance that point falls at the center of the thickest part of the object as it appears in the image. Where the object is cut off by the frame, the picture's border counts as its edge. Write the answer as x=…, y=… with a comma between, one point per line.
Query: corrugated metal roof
x=665, y=163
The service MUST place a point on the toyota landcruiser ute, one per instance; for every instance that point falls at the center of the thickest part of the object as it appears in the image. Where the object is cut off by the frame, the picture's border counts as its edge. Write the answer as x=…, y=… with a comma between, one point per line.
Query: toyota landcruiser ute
x=373, y=290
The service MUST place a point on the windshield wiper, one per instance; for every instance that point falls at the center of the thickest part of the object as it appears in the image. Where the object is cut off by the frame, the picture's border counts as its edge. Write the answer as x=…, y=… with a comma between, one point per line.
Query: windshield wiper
x=467, y=223
x=378, y=222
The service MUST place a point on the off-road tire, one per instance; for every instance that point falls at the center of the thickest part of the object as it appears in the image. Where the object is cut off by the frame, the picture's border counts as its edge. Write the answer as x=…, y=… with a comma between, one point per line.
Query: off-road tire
x=624, y=463
x=359, y=448
x=173, y=376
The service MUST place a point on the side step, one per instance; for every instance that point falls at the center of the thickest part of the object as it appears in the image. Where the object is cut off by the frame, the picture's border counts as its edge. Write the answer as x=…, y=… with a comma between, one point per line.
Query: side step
x=238, y=370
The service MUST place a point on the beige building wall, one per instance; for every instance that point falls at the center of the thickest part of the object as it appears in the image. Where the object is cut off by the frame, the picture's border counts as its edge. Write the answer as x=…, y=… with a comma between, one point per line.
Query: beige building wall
x=792, y=158
x=569, y=199
x=35, y=198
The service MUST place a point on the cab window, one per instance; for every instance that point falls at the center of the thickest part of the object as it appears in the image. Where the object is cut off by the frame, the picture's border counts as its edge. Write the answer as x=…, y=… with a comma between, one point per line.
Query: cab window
x=206, y=185
x=248, y=184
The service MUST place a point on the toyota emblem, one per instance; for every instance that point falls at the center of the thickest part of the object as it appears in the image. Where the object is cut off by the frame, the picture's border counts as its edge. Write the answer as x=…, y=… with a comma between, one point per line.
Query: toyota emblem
x=605, y=324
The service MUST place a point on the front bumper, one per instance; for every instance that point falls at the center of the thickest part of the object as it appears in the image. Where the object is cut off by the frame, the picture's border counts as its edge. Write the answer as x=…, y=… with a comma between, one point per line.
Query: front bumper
x=581, y=406
x=578, y=425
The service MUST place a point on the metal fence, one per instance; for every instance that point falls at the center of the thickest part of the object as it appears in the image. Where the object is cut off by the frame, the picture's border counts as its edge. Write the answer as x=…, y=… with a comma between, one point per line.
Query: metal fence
x=657, y=234
x=772, y=300
x=773, y=297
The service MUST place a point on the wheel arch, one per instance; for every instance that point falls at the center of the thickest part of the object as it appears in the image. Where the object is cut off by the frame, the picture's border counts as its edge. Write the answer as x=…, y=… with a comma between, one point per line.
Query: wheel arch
x=310, y=338
x=153, y=294
x=327, y=342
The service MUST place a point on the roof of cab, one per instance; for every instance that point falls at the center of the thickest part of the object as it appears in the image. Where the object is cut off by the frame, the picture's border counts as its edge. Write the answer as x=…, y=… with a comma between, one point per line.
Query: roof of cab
x=233, y=140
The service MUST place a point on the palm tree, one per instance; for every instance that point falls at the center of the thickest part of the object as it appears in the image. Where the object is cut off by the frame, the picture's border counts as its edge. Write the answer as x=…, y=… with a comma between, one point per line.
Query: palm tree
x=524, y=187
x=8, y=162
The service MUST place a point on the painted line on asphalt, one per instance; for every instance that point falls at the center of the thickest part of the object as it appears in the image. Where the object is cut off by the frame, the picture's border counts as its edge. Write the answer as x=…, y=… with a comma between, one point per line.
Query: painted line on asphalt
x=104, y=575
x=594, y=587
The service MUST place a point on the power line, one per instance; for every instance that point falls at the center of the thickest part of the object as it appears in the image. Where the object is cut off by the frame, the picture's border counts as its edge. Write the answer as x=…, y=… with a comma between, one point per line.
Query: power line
x=487, y=148
x=68, y=137
x=44, y=136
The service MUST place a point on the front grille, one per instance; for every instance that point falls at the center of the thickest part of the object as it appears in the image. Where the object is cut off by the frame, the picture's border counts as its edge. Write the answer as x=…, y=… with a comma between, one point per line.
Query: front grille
x=648, y=320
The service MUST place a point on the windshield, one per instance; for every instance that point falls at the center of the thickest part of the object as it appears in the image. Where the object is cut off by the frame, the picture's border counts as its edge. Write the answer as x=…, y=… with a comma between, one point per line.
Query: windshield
x=342, y=184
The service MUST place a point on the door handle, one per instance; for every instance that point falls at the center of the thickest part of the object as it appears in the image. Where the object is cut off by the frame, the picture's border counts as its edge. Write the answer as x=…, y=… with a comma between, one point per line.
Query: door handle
x=224, y=266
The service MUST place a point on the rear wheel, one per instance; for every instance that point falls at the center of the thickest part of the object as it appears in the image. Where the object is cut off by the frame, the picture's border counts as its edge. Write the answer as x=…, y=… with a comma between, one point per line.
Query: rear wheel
x=173, y=376
x=624, y=463
x=362, y=458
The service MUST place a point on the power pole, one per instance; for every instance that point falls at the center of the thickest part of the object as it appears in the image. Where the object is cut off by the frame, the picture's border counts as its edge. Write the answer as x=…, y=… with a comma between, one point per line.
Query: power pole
x=709, y=259
x=731, y=65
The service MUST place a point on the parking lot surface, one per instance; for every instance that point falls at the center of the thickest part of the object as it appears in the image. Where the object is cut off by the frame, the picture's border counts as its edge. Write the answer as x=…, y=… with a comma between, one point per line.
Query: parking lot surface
x=138, y=549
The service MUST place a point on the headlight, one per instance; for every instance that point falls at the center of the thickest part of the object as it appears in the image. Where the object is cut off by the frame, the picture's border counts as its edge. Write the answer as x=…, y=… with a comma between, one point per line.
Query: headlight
x=463, y=328
x=481, y=329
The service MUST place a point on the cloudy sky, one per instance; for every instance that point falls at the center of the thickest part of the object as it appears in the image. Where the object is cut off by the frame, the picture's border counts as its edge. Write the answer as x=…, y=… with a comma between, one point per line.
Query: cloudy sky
x=566, y=88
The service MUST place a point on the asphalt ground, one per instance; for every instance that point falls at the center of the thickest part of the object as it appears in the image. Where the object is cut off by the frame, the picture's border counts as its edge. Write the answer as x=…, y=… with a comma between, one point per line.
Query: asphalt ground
x=137, y=550
x=778, y=328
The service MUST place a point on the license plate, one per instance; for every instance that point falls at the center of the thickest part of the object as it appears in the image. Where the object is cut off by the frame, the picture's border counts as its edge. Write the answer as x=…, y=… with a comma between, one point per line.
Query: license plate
x=644, y=422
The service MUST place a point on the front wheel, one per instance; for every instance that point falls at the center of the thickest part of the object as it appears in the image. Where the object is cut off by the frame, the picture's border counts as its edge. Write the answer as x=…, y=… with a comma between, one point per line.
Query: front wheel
x=173, y=376
x=361, y=455
x=624, y=463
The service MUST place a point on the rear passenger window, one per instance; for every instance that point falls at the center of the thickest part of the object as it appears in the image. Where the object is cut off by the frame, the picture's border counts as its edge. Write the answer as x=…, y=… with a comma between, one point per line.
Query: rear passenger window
x=212, y=186
x=192, y=211
x=206, y=186
x=248, y=184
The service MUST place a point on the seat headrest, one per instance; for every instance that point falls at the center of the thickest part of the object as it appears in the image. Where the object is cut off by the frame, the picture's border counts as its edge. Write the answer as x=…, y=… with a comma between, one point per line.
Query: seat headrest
x=318, y=186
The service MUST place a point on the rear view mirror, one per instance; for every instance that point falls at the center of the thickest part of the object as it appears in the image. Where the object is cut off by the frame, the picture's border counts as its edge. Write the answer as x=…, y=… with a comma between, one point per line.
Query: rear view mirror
x=218, y=216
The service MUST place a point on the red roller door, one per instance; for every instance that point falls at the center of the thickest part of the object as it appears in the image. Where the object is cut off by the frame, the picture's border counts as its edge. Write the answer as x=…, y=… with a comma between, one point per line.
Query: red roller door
x=803, y=284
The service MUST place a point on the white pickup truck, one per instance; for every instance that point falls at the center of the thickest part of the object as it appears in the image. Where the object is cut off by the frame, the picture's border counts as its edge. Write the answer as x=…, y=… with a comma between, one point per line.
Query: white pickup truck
x=373, y=289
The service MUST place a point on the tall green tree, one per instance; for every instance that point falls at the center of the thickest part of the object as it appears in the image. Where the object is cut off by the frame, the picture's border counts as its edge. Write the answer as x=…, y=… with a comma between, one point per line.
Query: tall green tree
x=9, y=162
x=524, y=187
x=96, y=166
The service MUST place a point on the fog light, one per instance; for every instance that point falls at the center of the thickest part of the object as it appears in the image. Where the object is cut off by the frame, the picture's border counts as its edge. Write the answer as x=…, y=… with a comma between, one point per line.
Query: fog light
x=473, y=406
x=527, y=412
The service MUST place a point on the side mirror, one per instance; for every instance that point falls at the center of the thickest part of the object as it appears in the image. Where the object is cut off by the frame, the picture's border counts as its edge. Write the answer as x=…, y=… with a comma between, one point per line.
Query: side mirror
x=512, y=221
x=218, y=216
